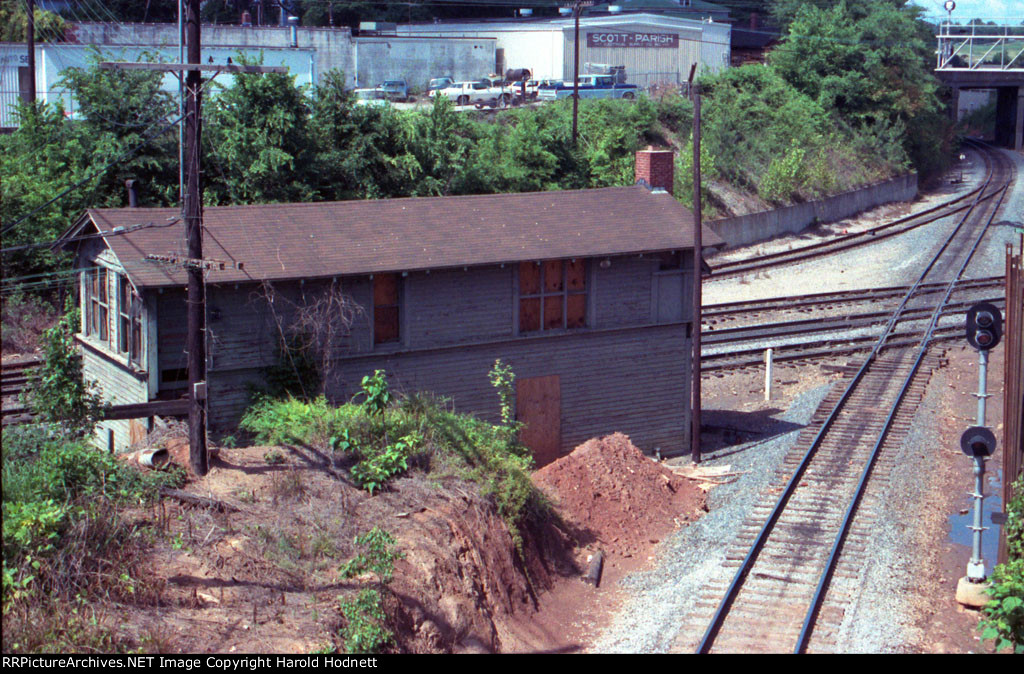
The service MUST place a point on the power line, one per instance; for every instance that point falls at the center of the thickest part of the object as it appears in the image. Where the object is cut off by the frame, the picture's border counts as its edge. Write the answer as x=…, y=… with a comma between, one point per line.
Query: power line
x=116, y=232
x=120, y=157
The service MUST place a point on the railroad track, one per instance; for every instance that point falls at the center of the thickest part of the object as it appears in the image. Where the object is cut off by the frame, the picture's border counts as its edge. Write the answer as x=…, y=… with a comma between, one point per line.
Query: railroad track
x=814, y=339
x=15, y=375
x=712, y=315
x=800, y=554
x=986, y=191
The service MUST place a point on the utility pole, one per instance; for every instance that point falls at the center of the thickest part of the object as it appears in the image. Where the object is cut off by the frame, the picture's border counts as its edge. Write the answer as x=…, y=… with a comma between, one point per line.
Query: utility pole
x=30, y=37
x=195, y=342
x=697, y=281
x=577, y=9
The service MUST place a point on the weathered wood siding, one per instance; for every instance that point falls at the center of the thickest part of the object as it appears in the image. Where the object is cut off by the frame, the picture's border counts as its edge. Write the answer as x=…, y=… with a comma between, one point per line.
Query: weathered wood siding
x=117, y=385
x=449, y=307
x=631, y=380
x=117, y=382
x=625, y=373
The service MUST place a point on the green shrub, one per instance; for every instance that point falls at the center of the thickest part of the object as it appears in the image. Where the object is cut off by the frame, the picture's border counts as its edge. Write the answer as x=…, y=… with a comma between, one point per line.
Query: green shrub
x=1004, y=614
x=784, y=177
x=59, y=393
x=379, y=557
x=380, y=466
x=425, y=431
x=365, y=629
x=61, y=521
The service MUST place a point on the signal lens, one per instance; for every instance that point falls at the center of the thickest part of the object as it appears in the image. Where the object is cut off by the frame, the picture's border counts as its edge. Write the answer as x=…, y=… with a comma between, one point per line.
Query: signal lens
x=983, y=337
x=984, y=319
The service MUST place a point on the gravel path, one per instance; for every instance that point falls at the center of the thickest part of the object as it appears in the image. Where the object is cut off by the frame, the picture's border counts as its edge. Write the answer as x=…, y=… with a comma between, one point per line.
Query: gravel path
x=883, y=619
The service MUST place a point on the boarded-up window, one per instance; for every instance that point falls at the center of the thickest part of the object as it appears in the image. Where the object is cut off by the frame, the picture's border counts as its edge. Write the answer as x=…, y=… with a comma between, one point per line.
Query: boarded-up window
x=552, y=295
x=97, y=304
x=386, y=308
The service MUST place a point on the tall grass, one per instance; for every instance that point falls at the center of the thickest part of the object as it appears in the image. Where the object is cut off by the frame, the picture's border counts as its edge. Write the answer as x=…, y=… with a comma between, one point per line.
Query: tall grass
x=421, y=431
x=65, y=543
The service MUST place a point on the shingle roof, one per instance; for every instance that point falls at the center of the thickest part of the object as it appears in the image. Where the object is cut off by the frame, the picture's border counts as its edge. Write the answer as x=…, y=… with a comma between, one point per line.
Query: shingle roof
x=310, y=240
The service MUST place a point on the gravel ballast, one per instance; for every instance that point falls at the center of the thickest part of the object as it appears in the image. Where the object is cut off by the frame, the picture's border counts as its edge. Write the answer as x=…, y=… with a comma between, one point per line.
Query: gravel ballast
x=885, y=617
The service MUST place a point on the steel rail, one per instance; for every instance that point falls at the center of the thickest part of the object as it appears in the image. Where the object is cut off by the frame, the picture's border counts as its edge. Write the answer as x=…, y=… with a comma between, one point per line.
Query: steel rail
x=837, y=297
x=850, y=241
x=716, y=623
x=826, y=577
x=806, y=326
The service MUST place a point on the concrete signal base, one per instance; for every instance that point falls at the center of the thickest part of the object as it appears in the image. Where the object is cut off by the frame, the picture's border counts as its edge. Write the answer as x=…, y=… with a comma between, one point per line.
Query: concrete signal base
x=972, y=594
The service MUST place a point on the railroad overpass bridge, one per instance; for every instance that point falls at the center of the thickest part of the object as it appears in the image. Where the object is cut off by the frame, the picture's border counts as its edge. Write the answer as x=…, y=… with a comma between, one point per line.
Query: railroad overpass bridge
x=979, y=56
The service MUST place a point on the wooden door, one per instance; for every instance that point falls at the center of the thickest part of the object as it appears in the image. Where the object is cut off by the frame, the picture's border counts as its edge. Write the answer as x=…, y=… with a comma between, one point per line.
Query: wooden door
x=539, y=407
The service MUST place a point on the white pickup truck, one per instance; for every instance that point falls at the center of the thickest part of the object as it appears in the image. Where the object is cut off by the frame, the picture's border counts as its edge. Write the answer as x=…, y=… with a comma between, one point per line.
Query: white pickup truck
x=475, y=93
x=590, y=86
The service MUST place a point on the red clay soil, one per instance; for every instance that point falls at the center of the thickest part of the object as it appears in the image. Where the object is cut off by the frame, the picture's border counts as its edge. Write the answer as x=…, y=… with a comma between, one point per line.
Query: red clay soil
x=617, y=498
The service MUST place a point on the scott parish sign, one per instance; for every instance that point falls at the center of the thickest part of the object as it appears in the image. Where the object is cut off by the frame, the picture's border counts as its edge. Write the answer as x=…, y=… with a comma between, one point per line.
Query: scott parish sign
x=662, y=40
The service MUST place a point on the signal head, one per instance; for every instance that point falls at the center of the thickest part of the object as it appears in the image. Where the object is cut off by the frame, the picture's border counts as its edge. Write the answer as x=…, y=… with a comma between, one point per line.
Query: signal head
x=984, y=326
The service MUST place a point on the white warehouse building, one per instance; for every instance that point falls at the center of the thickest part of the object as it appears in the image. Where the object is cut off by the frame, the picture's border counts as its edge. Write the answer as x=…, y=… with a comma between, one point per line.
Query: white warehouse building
x=655, y=49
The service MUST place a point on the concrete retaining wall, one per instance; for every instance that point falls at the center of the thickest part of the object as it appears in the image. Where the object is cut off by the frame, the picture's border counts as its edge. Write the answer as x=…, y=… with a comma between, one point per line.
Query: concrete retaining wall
x=747, y=229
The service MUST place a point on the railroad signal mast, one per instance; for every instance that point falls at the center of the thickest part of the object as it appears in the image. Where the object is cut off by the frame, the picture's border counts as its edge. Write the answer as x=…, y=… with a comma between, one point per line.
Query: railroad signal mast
x=984, y=331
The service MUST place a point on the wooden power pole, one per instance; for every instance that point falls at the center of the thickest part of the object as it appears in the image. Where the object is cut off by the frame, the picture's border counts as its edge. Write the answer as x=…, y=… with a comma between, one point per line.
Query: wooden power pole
x=193, y=215
x=30, y=37
x=196, y=341
x=698, y=260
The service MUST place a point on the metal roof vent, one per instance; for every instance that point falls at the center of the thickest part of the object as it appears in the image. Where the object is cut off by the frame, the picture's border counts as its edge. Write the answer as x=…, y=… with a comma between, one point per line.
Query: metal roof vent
x=659, y=190
x=526, y=11
x=565, y=11
x=614, y=9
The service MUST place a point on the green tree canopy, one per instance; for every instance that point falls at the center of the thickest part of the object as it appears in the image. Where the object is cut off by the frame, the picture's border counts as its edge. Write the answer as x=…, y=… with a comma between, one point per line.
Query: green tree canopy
x=257, y=142
x=49, y=27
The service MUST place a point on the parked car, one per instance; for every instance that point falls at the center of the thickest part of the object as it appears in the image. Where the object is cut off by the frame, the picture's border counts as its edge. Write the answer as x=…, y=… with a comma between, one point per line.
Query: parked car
x=467, y=93
x=371, y=97
x=439, y=83
x=396, y=90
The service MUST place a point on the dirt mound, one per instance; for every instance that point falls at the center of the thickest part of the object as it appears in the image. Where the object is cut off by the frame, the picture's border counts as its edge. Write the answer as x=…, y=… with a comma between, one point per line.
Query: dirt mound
x=462, y=585
x=617, y=498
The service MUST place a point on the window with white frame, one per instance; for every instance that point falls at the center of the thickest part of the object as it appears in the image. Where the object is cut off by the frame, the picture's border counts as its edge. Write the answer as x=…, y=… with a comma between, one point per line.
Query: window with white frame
x=97, y=304
x=129, y=320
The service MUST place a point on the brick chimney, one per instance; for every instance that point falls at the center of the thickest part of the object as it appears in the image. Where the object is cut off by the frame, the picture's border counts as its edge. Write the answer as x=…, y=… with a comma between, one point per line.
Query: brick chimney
x=656, y=168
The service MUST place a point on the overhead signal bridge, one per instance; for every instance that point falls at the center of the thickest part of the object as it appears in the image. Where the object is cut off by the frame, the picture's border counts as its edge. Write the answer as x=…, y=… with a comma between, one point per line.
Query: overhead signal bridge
x=979, y=56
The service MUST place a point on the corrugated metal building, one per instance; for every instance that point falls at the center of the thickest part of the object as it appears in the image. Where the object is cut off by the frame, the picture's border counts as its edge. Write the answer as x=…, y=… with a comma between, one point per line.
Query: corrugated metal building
x=655, y=49
x=585, y=293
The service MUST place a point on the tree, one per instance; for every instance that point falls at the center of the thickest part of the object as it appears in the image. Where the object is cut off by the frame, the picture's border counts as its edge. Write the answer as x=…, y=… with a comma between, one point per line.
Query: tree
x=360, y=151
x=60, y=393
x=257, y=141
x=869, y=63
x=43, y=156
x=121, y=114
x=120, y=110
x=49, y=27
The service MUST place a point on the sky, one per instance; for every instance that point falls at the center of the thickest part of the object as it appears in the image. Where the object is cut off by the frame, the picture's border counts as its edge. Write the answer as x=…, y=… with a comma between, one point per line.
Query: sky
x=995, y=10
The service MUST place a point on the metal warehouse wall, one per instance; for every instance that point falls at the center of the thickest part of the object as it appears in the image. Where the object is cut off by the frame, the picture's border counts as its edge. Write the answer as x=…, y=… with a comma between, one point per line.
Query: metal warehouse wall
x=546, y=47
x=418, y=59
x=645, y=66
x=332, y=46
